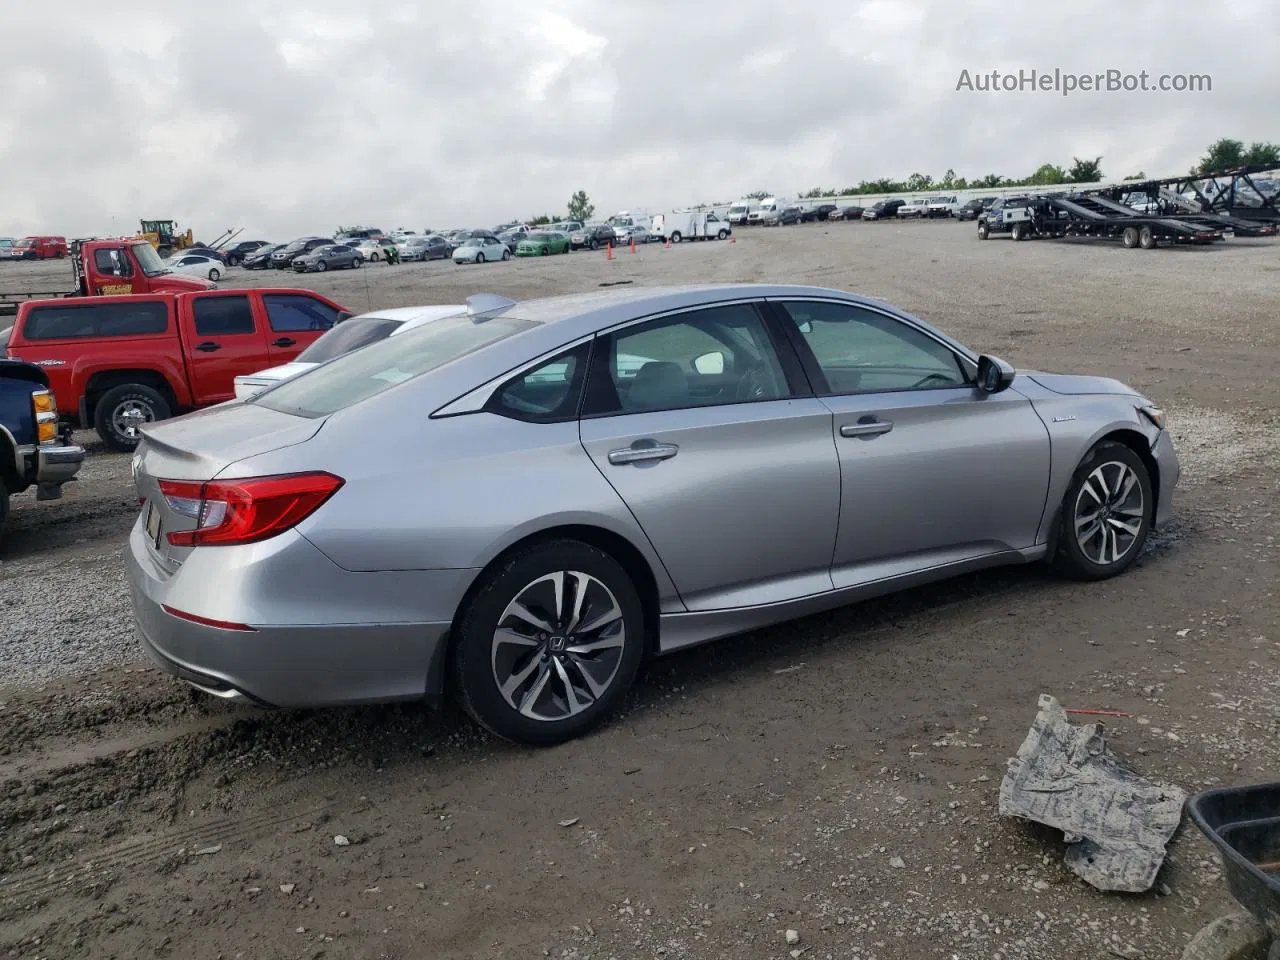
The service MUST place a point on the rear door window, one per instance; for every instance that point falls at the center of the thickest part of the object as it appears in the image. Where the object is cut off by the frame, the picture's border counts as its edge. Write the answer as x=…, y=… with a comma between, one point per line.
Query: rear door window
x=131, y=319
x=222, y=316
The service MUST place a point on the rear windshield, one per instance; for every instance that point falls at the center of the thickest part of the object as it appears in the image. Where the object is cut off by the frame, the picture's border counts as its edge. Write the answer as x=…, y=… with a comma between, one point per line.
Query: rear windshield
x=362, y=374
x=133, y=319
x=347, y=336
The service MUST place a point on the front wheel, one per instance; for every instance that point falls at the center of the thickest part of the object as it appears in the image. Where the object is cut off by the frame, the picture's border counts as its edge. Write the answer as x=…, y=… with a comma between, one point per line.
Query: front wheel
x=480, y=257
x=1106, y=514
x=375, y=257
x=983, y=231
x=550, y=643
x=121, y=412
x=506, y=254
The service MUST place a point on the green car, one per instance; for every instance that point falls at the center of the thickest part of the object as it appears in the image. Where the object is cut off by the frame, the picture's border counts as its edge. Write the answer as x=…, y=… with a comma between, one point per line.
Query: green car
x=540, y=243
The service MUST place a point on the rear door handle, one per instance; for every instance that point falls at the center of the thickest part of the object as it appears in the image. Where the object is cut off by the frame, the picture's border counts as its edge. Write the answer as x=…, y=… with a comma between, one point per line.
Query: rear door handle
x=870, y=428
x=208, y=346
x=283, y=342
x=649, y=452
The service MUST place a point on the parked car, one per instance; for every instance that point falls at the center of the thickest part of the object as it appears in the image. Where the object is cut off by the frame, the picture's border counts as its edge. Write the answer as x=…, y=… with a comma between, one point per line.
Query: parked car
x=972, y=209
x=6, y=248
x=375, y=248
x=942, y=207
x=914, y=209
x=883, y=210
x=276, y=562
x=335, y=256
x=118, y=362
x=593, y=236
x=360, y=234
x=196, y=265
x=540, y=243
x=433, y=247
x=565, y=226
x=201, y=250
x=32, y=449
x=348, y=335
x=237, y=253
x=846, y=213
x=480, y=250
x=39, y=248
x=818, y=213
x=740, y=212
x=282, y=258
x=260, y=259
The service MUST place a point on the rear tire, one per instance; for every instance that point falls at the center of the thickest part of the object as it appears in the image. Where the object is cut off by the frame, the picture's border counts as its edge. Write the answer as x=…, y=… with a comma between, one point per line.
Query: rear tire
x=1018, y=231
x=355, y=262
x=722, y=235
x=1130, y=237
x=600, y=677
x=122, y=410
x=675, y=236
x=1147, y=239
x=4, y=509
x=1110, y=493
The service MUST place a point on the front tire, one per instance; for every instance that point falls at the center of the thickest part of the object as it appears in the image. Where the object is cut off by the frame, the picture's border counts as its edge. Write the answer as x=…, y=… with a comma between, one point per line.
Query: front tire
x=1106, y=514
x=506, y=254
x=321, y=266
x=983, y=231
x=550, y=643
x=479, y=258
x=121, y=412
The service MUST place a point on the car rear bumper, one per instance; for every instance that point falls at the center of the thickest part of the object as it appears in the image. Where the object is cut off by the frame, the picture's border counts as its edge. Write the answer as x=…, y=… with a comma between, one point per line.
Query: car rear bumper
x=1167, y=463
x=356, y=642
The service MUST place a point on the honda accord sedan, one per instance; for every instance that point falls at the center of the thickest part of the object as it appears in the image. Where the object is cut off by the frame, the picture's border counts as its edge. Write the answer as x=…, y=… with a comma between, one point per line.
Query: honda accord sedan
x=515, y=505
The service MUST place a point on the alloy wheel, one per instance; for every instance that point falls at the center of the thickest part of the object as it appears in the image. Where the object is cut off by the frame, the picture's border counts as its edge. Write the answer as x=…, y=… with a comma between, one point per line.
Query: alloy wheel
x=1109, y=513
x=129, y=417
x=558, y=646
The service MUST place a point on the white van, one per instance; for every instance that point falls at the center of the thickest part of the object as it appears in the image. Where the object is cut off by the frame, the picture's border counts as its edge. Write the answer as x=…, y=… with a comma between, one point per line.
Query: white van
x=740, y=211
x=768, y=211
x=679, y=225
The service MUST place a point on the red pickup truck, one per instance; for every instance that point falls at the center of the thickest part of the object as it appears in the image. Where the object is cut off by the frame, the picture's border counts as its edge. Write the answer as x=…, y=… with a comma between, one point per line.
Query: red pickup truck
x=128, y=360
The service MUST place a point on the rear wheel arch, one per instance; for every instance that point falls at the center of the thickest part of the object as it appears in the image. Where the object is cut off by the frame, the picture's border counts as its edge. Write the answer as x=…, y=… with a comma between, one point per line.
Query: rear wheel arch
x=615, y=545
x=99, y=383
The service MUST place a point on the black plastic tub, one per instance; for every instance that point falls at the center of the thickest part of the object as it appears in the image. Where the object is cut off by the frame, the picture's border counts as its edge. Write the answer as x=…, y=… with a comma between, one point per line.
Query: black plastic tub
x=1244, y=824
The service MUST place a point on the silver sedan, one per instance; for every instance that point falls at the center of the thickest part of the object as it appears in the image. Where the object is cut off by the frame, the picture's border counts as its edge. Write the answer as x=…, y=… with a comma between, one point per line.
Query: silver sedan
x=566, y=486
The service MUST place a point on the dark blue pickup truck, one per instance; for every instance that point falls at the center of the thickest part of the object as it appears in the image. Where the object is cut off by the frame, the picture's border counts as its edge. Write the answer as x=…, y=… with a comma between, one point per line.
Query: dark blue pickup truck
x=34, y=452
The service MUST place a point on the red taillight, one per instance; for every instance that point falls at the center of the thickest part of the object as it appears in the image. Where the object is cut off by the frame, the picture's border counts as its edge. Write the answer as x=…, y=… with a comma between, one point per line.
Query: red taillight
x=245, y=511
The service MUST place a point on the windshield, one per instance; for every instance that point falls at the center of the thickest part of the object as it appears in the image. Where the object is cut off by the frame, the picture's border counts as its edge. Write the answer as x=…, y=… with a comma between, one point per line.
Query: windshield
x=357, y=376
x=537, y=235
x=473, y=242
x=24, y=243
x=149, y=261
x=347, y=336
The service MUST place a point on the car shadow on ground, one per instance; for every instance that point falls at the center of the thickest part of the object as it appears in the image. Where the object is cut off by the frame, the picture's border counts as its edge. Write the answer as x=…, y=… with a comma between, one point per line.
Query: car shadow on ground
x=388, y=736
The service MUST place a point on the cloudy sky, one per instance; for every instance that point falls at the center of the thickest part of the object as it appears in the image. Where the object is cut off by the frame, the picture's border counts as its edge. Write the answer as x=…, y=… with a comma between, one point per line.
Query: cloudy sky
x=289, y=118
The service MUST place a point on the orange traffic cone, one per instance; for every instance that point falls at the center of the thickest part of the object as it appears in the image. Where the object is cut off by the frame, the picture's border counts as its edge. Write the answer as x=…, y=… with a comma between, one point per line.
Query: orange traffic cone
x=608, y=252
x=633, y=244
x=668, y=243
x=733, y=239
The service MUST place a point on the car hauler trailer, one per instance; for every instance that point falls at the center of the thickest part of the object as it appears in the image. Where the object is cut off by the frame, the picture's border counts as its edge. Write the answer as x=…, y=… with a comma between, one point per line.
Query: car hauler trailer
x=1169, y=203
x=1075, y=215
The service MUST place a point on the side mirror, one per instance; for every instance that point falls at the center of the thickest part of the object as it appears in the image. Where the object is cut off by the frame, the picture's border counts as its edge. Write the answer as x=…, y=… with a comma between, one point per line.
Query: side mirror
x=709, y=363
x=994, y=374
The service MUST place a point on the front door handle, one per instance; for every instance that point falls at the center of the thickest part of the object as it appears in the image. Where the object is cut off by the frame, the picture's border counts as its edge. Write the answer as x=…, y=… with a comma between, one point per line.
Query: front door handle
x=208, y=346
x=283, y=342
x=643, y=452
x=867, y=428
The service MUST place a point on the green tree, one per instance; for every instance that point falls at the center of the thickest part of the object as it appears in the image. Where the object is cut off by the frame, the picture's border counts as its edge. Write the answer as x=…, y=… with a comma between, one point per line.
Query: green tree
x=580, y=207
x=1046, y=173
x=757, y=195
x=1260, y=152
x=1222, y=153
x=919, y=181
x=542, y=220
x=1085, y=171
x=991, y=180
x=1137, y=176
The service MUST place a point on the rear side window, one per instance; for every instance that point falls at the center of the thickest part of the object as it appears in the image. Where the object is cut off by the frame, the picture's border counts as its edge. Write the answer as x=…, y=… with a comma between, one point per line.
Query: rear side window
x=58, y=322
x=222, y=316
x=291, y=313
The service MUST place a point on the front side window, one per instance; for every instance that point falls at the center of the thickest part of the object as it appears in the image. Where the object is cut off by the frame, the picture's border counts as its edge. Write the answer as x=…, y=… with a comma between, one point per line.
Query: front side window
x=862, y=351
x=293, y=313
x=365, y=373
x=222, y=316
x=708, y=357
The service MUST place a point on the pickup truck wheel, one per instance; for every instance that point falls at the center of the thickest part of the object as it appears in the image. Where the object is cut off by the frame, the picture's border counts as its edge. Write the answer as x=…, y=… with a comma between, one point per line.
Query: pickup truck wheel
x=983, y=231
x=122, y=411
x=4, y=506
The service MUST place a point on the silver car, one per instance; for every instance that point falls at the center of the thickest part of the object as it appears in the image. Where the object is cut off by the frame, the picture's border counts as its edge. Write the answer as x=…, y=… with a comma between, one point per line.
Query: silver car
x=517, y=504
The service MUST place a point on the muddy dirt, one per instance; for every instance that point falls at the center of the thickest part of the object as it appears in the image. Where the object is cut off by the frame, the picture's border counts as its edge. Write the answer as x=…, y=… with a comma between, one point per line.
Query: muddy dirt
x=836, y=777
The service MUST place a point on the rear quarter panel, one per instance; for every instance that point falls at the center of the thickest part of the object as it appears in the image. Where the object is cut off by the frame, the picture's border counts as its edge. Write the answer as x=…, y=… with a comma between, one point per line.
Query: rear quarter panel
x=450, y=493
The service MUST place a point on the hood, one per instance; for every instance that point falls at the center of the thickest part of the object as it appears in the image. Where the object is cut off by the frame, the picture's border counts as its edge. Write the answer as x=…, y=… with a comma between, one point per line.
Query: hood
x=1077, y=385
x=201, y=445
x=170, y=283
x=21, y=370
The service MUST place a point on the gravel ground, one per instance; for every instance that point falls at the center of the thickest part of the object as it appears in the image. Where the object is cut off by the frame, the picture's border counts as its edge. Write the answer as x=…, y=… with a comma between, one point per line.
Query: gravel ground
x=835, y=777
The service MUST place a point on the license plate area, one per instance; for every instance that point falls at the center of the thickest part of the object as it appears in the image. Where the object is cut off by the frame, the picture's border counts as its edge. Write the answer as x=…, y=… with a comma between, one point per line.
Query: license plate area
x=153, y=524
